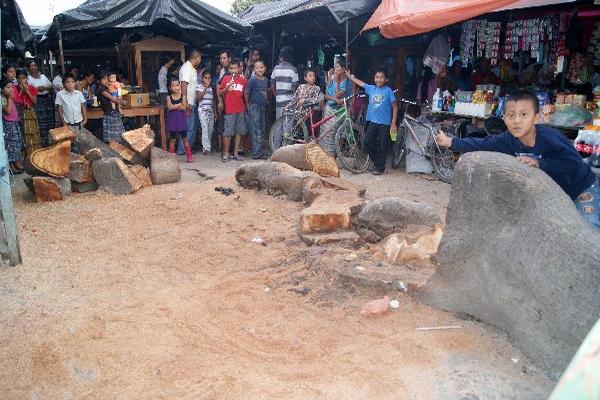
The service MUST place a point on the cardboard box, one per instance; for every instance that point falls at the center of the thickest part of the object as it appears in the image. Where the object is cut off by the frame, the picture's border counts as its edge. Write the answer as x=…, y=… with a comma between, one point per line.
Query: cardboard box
x=137, y=99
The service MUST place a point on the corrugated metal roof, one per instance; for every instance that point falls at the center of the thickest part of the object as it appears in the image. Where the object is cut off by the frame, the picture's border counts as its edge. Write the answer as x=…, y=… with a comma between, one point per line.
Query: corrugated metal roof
x=275, y=9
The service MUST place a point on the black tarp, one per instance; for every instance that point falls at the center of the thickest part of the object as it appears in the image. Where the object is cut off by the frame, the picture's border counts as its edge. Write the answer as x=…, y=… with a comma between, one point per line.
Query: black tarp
x=99, y=23
x=344, y=10
x=14, y=27
x=341, y=10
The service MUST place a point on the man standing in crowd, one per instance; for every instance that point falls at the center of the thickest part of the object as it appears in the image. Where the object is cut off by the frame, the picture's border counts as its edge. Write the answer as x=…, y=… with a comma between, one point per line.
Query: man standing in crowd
x=189, y=81
x=224, y=60
x=254, y=57
x=284, y=80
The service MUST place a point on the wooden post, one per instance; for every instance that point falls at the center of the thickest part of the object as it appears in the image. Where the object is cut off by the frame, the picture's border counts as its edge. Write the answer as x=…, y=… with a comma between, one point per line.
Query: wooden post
x=6, y=205
x=62, y=53
x=347, y=44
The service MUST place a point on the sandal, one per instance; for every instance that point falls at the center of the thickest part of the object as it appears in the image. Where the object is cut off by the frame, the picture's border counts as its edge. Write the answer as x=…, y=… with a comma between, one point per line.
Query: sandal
x=224, y=158
x=237, y=158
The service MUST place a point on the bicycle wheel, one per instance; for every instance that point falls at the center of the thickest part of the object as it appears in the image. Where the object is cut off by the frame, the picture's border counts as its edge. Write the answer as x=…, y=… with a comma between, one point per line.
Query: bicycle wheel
x=442, y=160
x=399, y=150
x=288, y=129
x=350, y=147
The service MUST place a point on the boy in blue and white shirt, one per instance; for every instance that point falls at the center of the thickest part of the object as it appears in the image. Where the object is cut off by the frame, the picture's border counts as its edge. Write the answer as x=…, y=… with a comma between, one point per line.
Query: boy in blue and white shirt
x=382, y=113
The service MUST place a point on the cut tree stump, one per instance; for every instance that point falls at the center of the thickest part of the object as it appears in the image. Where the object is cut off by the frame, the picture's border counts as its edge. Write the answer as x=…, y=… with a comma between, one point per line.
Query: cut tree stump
x=61, y=134
x=114, y=176
x=53, y=160
x=517, y=254
x=48, y=189
x=307, y=157
x=126, y=153
x=164, y=167
x=86, y=141
x=140, y=140
x=143, y=174
x=80, y=169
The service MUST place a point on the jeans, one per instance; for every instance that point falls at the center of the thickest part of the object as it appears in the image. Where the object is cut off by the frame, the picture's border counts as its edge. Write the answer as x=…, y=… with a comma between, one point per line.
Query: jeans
x=192, y=122
x=588, y=205
x=207, y=122
x=278, y=134
x=256, y=125
x=376, y=143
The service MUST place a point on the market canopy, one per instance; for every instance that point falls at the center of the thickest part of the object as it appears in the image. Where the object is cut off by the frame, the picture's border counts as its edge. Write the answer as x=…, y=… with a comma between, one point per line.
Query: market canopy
x=14, y=27
x=341, y=10
x=102, y=22
x=397, y=18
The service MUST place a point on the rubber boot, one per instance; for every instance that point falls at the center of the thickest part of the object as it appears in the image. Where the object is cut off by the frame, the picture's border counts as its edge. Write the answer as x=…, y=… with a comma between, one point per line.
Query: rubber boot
x=188, y=154
x=172, y=148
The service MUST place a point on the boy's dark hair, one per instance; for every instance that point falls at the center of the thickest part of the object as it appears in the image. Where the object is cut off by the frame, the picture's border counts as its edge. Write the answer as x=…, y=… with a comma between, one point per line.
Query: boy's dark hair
x=262, y=62
x=309, y=70
x=226, y=52
x=286, y=54
x=206, y=72
x=165, y=58
x=6, y=67
x=382, y=71
x=4, y=82
x=191, y=52
x=524, y=95
x=87, y=73
x=342, y=61
x=232, y=63
x=101, y=75
x=21, y=72
x=67, y=76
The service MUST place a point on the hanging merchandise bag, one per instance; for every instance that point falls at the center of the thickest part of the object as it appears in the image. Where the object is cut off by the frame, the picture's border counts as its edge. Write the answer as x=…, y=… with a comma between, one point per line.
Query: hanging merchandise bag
x=437, y=54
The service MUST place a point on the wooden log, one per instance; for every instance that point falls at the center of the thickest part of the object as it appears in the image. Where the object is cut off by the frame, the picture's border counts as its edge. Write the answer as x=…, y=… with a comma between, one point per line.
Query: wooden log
x=46, y=188
x=87, y=141
x=53, y=161
x=294, y=155
x=84, y=187
x=143, y=174
x=61, y=134
x=140, y=140
x=114, y=176
x=164, y=167
x=81, y=169
x=126, y=153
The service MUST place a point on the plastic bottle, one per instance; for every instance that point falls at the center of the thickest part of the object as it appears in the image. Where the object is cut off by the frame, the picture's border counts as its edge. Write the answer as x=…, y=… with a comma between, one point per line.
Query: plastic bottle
x=594, y=159
x=437, y=100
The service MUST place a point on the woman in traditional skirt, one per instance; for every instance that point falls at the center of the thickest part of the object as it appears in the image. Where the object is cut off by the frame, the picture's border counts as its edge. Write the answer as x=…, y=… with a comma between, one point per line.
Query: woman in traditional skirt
x=112, y=122
x=338, y=87
x=25, y=97
x=13, y=142
x=45, y=103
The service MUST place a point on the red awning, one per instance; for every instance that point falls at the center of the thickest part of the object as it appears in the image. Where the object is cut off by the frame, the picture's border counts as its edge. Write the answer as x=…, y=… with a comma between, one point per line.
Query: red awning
x=397, y=18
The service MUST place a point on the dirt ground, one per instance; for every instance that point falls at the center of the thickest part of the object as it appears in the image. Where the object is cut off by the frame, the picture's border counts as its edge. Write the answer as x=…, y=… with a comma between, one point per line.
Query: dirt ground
x=163, y=295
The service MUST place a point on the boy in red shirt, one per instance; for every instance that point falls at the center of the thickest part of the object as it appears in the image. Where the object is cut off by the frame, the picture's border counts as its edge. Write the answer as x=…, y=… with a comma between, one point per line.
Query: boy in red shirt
x=232, y=89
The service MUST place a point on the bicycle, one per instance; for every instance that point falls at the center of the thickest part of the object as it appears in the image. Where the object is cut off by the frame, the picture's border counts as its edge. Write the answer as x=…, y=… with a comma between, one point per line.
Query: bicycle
x=442, y=159
x=349, y=140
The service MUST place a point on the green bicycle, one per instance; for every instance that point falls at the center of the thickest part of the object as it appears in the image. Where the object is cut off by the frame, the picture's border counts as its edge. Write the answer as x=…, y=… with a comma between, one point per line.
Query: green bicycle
x=349, y=141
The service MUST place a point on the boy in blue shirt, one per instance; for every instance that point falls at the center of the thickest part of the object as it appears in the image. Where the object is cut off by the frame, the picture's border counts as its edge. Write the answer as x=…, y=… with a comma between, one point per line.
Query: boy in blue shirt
x=381, y=115
x=539, y=146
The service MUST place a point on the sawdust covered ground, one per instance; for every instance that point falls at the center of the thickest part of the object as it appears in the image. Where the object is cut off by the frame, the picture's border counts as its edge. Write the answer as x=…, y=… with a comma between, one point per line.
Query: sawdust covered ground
x=161, y=295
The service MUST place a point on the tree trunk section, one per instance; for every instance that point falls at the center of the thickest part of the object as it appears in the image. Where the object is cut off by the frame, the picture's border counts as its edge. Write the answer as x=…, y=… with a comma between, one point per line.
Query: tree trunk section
x=53, y=161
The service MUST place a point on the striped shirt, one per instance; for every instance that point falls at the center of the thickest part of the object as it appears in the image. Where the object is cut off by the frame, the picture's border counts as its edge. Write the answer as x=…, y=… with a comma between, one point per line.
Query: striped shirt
x=206, y=104
x=284, y=78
